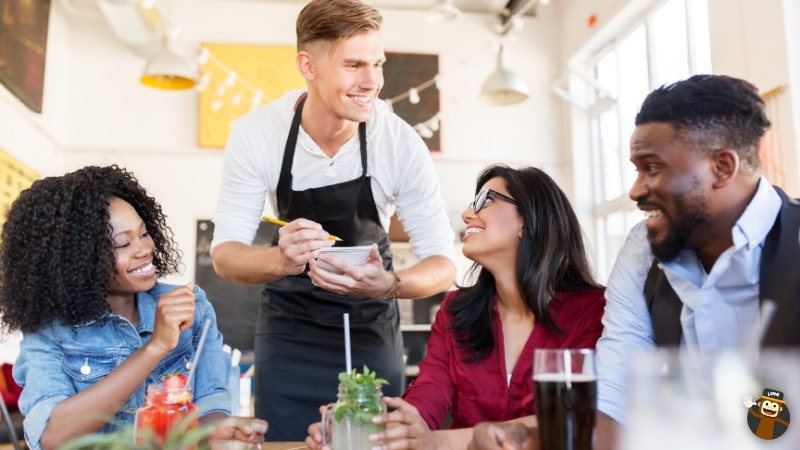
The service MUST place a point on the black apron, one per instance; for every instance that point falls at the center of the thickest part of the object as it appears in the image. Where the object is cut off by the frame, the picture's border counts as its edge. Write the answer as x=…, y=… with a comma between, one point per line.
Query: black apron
x=299, y=343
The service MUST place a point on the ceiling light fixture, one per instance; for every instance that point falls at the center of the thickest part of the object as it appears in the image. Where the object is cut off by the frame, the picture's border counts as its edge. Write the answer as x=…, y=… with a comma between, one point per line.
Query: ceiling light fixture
x=601, y=101
x=504, y=87
x=147, y=27
x=137, y=23
x=443, y=11
x=167, y=69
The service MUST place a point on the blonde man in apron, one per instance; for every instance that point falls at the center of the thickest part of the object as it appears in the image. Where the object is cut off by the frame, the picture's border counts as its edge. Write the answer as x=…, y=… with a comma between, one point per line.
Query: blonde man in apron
x=330, y=159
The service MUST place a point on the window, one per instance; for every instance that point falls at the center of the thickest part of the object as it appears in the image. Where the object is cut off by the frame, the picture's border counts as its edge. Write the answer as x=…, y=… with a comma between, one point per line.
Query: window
x=670, y=42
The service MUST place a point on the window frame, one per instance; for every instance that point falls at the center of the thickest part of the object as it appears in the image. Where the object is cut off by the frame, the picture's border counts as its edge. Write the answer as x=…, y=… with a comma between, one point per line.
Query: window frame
x=599, y=209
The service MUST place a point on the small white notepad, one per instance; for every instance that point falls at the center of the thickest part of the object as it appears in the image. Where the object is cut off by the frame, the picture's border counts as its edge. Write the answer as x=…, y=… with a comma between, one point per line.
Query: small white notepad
x=356, y=256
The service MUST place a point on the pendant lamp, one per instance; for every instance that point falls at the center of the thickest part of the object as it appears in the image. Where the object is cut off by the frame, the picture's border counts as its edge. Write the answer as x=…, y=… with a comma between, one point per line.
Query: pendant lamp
x=167, y=69
x=504, y=87
x=443, y=11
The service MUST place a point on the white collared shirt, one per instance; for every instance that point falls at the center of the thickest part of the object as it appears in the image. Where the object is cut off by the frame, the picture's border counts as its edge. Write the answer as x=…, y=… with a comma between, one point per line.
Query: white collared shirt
x=402, y=171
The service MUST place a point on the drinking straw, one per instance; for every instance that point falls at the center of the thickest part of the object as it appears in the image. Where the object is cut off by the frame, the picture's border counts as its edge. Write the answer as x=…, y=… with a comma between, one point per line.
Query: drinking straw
x=767, y=311
x=197, y=352
x=759, y=331
x=568, y=367
x=347, y=341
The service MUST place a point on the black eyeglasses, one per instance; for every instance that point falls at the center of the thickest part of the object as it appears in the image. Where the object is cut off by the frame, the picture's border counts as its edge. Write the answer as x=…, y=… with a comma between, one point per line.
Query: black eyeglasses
x=480, y=199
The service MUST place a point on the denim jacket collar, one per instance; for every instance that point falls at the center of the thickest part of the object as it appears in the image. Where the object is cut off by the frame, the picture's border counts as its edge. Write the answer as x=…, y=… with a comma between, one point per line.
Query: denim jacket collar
x=145, y=303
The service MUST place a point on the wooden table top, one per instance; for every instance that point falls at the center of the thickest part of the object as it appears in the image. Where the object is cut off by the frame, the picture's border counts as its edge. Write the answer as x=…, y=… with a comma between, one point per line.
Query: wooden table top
x=283, y=446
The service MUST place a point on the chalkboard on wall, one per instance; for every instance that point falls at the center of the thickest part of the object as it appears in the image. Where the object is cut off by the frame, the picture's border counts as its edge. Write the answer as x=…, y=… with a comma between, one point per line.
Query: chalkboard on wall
x=236, y=304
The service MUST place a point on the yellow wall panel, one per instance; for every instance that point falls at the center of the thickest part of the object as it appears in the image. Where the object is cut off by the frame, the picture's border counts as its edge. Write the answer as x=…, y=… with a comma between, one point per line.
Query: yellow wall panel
x=270, y=69
x=15, y=177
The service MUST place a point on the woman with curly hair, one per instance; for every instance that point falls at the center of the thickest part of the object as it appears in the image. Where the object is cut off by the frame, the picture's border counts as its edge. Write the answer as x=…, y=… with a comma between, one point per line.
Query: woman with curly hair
x=79, y=261
x=533, y=288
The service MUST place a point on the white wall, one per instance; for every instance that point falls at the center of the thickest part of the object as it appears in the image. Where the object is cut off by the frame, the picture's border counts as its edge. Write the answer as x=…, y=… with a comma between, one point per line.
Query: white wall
x=751, y=42
x=791, y=18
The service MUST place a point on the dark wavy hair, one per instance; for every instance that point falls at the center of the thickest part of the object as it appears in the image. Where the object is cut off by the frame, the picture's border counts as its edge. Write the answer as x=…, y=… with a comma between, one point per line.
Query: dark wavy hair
x=727, y=111
x=552, y=257
x=57, y=256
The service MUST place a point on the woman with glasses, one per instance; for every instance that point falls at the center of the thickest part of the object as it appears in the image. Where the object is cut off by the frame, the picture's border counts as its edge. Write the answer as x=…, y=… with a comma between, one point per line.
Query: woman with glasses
x=532, y=287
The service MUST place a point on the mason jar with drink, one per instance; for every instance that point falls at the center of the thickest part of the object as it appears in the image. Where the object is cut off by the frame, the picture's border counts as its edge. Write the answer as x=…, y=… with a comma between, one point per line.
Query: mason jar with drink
x=168, y=410
x=347, y=424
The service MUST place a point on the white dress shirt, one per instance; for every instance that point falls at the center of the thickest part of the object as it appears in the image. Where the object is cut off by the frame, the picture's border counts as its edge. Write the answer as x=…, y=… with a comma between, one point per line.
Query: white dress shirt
x=402, y=171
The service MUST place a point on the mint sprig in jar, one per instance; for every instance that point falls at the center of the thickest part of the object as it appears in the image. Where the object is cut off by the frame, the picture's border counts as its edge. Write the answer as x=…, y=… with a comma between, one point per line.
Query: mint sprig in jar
x=350, y=418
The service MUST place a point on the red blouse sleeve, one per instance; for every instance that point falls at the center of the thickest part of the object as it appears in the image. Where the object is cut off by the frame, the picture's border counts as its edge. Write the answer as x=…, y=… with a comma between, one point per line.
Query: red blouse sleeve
x=432, y=392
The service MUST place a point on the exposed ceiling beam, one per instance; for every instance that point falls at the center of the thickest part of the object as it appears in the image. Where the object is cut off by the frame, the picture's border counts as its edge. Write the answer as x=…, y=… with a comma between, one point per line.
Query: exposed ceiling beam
x=514, y=8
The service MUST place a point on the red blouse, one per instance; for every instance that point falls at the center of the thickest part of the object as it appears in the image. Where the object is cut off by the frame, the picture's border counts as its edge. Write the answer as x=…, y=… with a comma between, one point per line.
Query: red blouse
x=478, y=392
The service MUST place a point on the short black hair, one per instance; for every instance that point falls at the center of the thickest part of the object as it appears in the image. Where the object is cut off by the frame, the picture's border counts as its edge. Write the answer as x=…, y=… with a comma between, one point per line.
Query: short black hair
x=729, y=111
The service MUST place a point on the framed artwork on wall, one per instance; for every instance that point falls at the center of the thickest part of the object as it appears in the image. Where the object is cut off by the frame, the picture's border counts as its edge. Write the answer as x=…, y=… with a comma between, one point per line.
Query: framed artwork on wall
x=15, y=177
x=237, y=77
x=403, y=72
x=23, y=47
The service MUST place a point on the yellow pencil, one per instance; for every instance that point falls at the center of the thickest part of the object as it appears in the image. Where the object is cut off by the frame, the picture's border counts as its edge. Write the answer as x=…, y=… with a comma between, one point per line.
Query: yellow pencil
x=282, y=223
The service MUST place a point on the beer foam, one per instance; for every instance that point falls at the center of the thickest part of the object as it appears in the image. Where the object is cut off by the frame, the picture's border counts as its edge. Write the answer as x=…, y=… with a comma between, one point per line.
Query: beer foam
x=562, y=378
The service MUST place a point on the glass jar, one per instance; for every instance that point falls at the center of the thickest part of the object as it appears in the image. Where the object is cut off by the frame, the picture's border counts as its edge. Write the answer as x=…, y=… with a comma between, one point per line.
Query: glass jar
x=350, y=418
x=166, y=411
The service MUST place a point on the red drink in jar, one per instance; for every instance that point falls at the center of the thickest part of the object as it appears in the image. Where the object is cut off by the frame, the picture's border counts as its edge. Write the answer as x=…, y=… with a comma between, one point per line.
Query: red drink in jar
x=168, y=409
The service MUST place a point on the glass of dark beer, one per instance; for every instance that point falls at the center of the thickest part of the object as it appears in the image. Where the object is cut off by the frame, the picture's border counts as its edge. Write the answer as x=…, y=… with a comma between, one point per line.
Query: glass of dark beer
x=565, y=390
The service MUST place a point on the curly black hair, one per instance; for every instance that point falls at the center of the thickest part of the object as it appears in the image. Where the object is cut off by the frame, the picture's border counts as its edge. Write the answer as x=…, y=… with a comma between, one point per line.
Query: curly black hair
x=57, y=256
x=727, y=111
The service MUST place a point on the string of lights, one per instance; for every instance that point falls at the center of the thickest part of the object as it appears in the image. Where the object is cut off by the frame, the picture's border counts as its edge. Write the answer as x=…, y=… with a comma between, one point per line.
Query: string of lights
x=231, y=79
x=230, y=89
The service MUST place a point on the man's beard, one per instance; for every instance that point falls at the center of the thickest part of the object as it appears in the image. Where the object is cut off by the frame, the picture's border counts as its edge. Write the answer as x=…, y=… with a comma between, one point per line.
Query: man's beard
x=693, y=214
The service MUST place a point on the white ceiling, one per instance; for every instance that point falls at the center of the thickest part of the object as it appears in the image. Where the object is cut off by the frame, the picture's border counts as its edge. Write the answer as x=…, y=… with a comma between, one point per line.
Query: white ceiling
x=478, y=6
x=474, y=6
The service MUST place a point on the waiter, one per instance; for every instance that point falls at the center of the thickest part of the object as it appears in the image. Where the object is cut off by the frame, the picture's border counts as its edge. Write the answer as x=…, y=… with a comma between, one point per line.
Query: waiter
x=330, y=159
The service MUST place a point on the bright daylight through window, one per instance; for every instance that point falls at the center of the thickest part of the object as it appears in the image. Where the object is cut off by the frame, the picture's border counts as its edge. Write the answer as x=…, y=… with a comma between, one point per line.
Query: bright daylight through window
x=668, y=43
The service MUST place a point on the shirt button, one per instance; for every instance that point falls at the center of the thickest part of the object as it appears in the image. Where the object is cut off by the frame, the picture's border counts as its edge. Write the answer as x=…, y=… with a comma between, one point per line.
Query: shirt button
x=188, y=365
x=122, y=324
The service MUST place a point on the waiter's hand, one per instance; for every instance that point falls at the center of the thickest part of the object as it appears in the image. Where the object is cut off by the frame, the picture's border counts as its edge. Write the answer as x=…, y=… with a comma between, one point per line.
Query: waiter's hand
x=368, y=280
x=299, y=241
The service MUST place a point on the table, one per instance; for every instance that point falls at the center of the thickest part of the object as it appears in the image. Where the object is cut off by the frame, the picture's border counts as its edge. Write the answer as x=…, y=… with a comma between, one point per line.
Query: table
x=283, y=446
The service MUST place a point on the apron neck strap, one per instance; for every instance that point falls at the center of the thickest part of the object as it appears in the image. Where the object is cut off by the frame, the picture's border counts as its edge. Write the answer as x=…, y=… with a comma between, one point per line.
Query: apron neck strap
x=285, y=180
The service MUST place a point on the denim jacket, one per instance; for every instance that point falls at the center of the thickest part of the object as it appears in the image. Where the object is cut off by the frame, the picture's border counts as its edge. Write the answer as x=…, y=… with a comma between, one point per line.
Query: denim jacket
x=58, y=361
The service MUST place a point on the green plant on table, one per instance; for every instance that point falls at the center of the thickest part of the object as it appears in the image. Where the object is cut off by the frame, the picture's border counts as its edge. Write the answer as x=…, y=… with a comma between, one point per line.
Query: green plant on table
x=180, y=437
